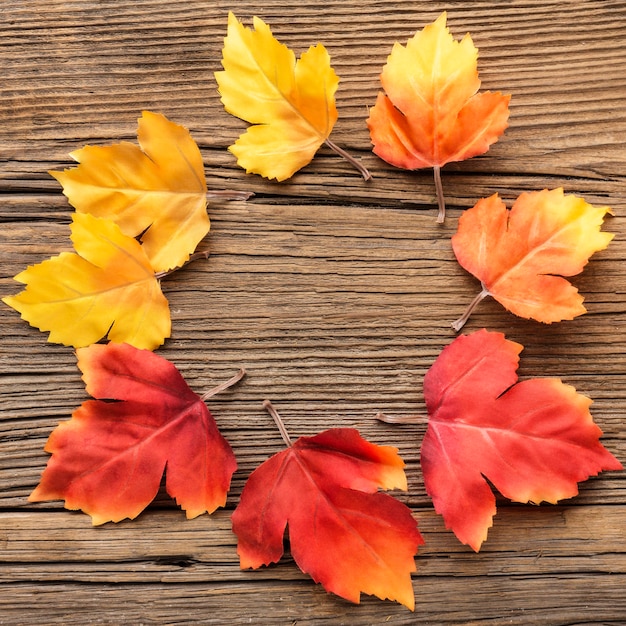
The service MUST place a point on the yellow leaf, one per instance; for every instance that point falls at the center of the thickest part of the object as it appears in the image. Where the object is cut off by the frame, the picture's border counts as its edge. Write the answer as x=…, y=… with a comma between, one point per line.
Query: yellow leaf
x=291, y=103
x=107, y=287
x=157, y=190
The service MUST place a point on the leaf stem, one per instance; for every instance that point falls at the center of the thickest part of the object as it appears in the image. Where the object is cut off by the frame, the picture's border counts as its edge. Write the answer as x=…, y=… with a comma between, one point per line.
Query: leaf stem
x=406, y=419
x=458, y=324
x=193, y=257
x=228, y=194
x=348, y=157
x=440, y=199
x=223, y=386
x=269, y=407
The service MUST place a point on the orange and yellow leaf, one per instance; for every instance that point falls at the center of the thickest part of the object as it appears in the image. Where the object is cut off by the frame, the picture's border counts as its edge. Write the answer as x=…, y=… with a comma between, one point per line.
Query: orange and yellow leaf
x=107, y=288
x=291, y=103
x=431, y=113
x=156, y=190
x=521, y=255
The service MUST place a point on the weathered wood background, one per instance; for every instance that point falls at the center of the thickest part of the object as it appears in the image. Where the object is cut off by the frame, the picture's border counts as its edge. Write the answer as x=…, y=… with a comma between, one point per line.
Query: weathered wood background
x=335, y=294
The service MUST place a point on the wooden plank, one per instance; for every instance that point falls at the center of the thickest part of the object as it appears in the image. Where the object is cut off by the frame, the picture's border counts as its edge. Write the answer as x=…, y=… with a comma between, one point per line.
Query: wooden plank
x=92, y=70
x=335, y=294
x=310, y=300
x=548, y=539
x=552, y=547
x=292, y=602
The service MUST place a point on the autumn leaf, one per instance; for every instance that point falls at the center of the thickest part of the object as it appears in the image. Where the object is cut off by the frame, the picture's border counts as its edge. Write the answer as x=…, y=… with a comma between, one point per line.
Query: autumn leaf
x=343, y=533
x=291, y=103
x=156, y=191
x=533, y=440
x=520, y=256
x=107, y=288
x=108, y=459
x=431, y=113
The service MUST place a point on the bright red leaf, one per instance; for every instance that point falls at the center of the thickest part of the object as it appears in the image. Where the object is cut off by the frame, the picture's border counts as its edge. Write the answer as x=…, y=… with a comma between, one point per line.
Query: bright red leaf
x=534, y=440
x=109, y=458
x=345, y=535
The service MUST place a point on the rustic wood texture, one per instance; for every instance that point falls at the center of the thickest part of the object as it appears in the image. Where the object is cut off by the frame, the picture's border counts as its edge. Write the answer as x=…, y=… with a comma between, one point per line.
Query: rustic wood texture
x=335, y=294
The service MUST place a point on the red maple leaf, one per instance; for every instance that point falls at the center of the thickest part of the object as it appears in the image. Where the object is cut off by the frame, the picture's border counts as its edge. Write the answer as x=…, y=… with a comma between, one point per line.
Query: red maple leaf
x=343, y=533
x=534, y=440
x=109, y=458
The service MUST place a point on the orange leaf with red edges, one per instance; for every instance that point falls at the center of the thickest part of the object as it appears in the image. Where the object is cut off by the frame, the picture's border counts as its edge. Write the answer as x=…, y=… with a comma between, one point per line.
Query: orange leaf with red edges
x=533, y=440
x=520, y=256
x=431, y=113
x=109, y=458
x=343, y=533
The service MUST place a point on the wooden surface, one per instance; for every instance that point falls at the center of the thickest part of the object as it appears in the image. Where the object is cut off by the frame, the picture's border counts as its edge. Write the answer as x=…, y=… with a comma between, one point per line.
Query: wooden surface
x=335, y=294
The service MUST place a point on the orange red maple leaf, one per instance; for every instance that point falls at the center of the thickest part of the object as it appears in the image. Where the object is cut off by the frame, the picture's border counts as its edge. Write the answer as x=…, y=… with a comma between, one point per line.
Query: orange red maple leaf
x=109, y=458
x=345, y=535
x=533, y=440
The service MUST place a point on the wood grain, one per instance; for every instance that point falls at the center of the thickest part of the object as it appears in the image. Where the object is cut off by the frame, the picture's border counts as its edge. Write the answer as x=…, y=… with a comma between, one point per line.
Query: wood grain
x=335, y=294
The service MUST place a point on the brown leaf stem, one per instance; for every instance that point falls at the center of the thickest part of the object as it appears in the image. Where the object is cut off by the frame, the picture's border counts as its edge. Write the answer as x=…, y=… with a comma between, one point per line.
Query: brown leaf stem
x=228, y=194
x=440, y=199
x=458, y=324
x=348, y=157
x=269, y=407
x=400, y=419
x=225, y=385
x=193, y=257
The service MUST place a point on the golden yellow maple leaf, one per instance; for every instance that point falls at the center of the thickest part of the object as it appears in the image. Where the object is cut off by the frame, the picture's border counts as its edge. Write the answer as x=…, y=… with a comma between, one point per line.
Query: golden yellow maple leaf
x=156, y=190
x=290, y=102
x=107, y=288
